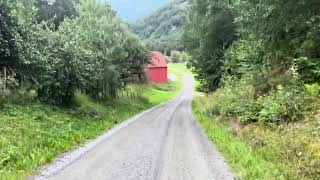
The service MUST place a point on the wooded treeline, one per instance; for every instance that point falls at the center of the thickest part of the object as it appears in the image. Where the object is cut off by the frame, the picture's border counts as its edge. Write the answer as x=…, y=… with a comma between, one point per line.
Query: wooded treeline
x=266, y=50
x=59, y=47
x=262, y=39
x=259, y=61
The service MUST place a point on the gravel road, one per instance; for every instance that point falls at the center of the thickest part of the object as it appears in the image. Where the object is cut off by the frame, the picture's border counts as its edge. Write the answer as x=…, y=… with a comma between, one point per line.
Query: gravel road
x=164, y=143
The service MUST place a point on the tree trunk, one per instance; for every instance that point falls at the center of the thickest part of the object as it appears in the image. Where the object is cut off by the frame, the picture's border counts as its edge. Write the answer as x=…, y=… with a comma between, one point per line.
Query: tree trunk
x=5, y=78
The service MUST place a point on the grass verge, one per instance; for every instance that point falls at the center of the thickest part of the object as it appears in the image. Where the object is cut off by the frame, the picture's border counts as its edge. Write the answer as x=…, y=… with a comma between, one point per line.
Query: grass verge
x=177, y=67
x=33, y=134
x=246, y=162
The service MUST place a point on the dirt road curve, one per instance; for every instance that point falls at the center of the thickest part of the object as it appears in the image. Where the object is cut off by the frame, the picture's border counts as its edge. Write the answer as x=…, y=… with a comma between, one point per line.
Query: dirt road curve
x=164, y=143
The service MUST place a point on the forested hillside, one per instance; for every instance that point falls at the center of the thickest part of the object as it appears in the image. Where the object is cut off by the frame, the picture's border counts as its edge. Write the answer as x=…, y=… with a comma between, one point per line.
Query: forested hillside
x=259, y=62
x=162, y=29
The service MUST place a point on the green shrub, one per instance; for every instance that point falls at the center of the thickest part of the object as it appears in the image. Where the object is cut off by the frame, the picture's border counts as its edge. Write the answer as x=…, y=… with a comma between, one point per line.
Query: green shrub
x=2, y=98
x=14, y=92
x=312, y=90
x=180, y=57
x=242, y=157
x=282, y=104
x=234, y=99
x=175, y=56
x=87, y=106
x=237, y=99
x=292, y=149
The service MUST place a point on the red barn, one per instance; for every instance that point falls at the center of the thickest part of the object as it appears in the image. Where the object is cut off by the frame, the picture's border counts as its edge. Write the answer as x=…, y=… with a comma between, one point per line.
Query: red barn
x=157, y=68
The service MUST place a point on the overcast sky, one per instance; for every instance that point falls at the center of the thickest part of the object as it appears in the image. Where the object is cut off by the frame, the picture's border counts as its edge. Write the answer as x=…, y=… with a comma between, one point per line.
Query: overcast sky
x=132, y=10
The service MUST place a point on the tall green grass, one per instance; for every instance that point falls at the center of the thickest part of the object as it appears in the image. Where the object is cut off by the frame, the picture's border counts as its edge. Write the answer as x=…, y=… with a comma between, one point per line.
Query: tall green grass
x=244, y=160
x=33, y=134
x=179, y=67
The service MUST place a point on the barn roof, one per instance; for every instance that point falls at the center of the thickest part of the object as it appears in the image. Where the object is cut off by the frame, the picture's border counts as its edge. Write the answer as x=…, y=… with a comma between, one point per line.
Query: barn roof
x=157, y=61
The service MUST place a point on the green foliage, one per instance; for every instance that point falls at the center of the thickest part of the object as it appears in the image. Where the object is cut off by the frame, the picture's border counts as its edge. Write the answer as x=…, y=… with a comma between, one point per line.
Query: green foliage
x=175, y=57
x=42, y=132
x=185, y=57
x=179, y=57
x=244, y=160
x=271, y=40
x=161, y=30
x=309, y=69
x=237, y=99
x=34, y=134
x=261, y=75
x=282, y=151
x=207, y=35
x=291, y=144
x=312, y=90
x=283, y=104
x=285, y=37
x=84, y=49
x=8, y=32
x=275, y=52
x=3, y=93
x=56, y=11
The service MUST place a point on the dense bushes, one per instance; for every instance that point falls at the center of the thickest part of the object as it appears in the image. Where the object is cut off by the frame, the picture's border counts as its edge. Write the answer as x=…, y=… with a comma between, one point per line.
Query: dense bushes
x=237, y=99
x=179, y=57
x=264, y=150
x=281, y=126
x=257, y=53
x=232, y=100
x=281, y=104
x=262, y=60
x=85, y=48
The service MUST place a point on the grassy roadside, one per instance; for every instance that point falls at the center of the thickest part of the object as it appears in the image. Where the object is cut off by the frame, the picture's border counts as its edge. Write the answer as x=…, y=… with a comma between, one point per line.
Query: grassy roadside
x=178, y=68
x=261, y=151
x=33, y=134
x=243, y=159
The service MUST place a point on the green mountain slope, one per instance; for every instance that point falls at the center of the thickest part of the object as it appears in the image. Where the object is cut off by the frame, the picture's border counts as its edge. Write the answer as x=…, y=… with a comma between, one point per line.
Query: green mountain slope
x=162, y=29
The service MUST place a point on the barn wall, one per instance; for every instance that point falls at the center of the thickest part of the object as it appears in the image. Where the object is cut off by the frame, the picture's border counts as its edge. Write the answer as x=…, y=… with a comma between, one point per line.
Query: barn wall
x=158, y=75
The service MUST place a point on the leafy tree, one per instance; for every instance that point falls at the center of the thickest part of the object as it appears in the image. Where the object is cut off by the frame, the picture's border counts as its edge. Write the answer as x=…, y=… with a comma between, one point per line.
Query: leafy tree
x=274, y=39
x=271, y=40
x=209, y=32
x=131, y=57
x=8, y=32
x=185, y=57
x=55, y=11
x=178, y=57
x=90, y=52
x=175, y=57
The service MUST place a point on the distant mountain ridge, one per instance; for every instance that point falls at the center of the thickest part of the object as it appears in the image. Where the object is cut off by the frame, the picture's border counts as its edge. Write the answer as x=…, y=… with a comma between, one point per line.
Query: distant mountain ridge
x=162, y=29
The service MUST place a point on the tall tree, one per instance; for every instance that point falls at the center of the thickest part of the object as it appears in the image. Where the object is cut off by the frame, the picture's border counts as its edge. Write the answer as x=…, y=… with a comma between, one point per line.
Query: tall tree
x=55, y=11
x=274, y=39
x=209, y=32
x=8, y=33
